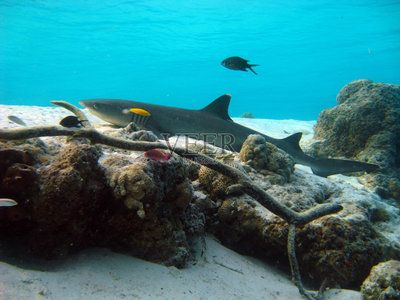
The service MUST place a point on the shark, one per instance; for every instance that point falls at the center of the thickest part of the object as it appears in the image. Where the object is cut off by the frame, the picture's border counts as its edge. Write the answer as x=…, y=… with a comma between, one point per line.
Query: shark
x=213, y=124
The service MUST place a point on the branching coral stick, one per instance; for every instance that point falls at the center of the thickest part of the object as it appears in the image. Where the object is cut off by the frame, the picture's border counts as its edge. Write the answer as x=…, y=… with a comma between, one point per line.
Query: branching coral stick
x=294, y=266
x=269, y=202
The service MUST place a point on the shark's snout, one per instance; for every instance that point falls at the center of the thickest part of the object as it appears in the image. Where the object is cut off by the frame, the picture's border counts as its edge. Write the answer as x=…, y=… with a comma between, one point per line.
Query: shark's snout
x=95, y=106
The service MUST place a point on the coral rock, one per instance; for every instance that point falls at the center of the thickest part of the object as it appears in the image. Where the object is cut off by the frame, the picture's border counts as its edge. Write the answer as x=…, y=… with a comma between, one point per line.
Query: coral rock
x=213, y=182
x=383, y=282
x=10, y=156
x=19, y=180
x=264, y=157
x=73, y=188
x=365, y=125
x=154, y=197
x=340, y=248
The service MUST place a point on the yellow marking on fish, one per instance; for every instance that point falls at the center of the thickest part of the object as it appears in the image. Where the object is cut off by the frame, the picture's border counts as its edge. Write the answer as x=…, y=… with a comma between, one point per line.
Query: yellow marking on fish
x=140, y=111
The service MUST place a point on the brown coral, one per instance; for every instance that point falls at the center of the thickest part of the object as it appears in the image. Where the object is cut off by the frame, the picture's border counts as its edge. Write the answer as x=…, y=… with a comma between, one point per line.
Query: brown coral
x=267, y=158
x=72, y=192
x=154, y=195
x=383, y=282
x=341, y=250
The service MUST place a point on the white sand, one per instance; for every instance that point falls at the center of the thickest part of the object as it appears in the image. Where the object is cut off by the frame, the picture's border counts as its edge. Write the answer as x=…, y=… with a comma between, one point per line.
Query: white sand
x=101, y=274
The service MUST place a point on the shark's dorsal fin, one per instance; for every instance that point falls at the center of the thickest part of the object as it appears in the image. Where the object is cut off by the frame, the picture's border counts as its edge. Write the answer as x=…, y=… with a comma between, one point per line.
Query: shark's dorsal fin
x=219, y=107
x=294, y=140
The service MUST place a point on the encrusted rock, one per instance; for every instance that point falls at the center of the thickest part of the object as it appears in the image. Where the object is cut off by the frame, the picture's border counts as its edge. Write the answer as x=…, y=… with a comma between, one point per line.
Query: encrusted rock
x=143, y=135
x=340, y=248
x=19, y=180
x=383, y=283
x=365, y=125
x=153, y=197
x=267, y=158
x=73, y=191
x=134, y=132
x=213, y=182
x=10, y=156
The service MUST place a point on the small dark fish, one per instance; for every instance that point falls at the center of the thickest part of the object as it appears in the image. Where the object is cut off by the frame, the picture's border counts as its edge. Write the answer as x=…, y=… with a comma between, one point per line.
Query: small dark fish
x=16, y=120
x=237, y=63
x=157, y=154
x=71, y=121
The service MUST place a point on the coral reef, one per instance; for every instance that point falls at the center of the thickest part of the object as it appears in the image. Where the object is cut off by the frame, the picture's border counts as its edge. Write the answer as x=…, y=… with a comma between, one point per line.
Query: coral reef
x=339, y=248
x=18, y=181
x=365, y=125
x=133, y=132
x=266, y=158
x=383, y=282
x=72, y=195
x=152, y=197
x=76, y=200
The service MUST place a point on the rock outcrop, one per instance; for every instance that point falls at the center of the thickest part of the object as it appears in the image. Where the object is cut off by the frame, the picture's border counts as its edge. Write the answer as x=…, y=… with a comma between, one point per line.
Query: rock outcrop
x=76, y=200
x=152, y=197
x=340, y=248
x=383, y=282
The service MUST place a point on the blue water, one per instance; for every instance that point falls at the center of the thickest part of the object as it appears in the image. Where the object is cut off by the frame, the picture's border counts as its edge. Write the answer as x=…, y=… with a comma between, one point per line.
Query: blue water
x=169, y=52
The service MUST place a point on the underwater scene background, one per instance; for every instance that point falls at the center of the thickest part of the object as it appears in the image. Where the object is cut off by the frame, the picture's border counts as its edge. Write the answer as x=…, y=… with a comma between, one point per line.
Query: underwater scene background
x=169, y=52
x=131, y=200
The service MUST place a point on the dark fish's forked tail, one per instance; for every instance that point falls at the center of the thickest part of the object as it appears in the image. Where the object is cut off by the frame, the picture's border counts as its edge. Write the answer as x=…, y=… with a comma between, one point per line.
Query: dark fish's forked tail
x=250, y=68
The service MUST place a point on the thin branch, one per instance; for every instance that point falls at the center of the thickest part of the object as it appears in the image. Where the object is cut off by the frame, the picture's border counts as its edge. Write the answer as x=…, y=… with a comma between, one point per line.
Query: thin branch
x=294, y=266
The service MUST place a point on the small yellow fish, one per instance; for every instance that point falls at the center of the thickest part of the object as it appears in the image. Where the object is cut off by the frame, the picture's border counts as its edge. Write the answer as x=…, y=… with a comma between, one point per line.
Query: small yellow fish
x=7, y=202
x=140, y=111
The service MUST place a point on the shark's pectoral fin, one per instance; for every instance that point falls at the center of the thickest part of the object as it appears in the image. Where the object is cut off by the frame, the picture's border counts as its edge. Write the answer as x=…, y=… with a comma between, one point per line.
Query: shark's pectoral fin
x=329, y=166
x=219, y=107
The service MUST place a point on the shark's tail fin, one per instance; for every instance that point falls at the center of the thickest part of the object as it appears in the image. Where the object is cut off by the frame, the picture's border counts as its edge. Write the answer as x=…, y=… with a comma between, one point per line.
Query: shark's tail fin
x=325, y=166
x=330, y=166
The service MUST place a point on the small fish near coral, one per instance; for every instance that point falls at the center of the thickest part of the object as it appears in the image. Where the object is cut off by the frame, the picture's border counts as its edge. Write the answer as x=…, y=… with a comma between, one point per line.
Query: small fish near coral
x=237, y=63
x=157, y=154
x=70, y=122
x=16, y=120
x=5, y=202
